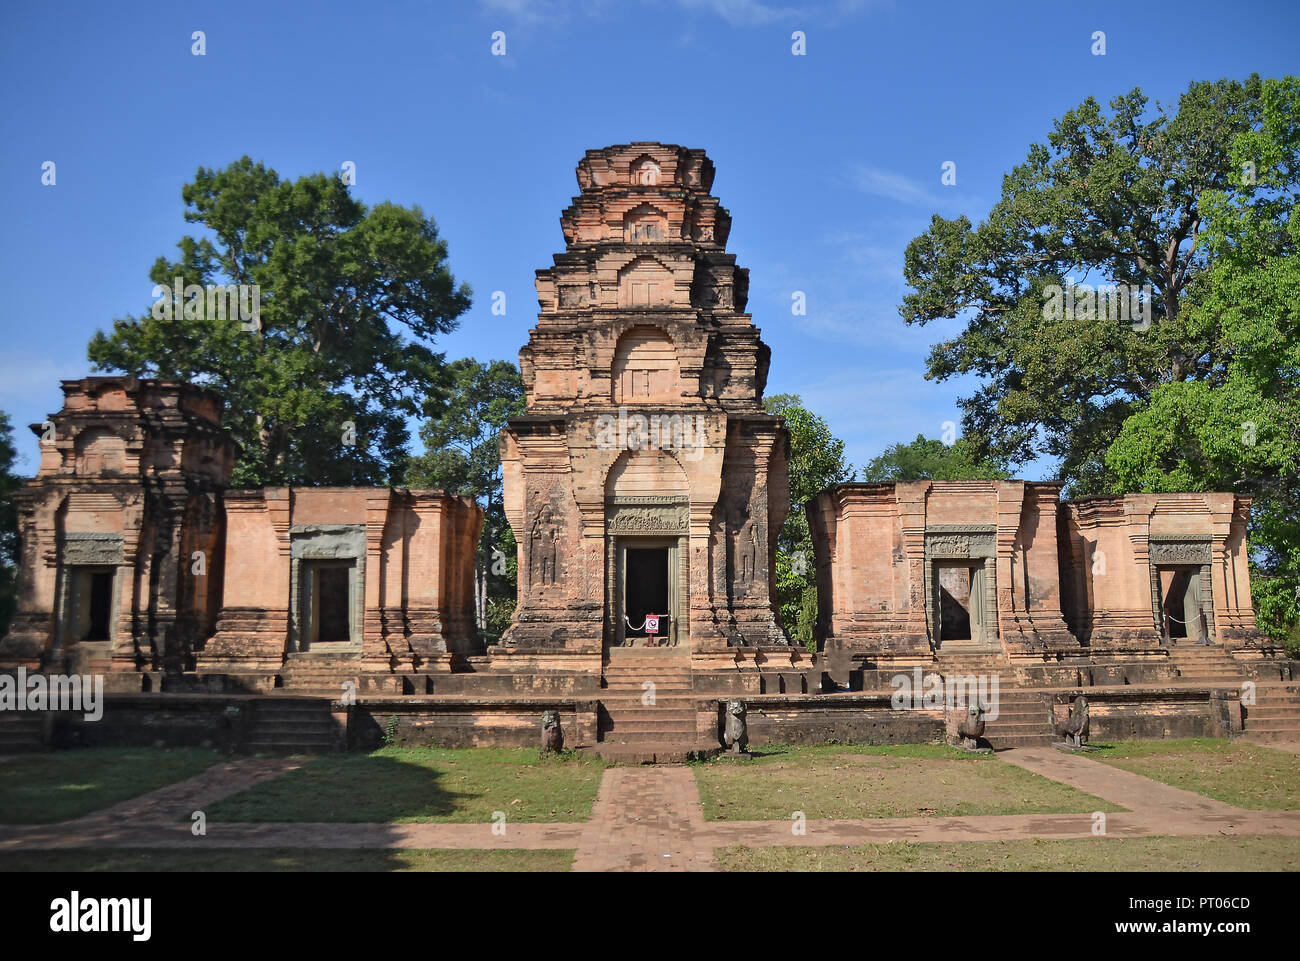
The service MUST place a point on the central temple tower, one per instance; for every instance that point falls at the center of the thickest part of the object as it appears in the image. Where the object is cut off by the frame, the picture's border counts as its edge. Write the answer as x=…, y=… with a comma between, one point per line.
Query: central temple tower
x=645, y=484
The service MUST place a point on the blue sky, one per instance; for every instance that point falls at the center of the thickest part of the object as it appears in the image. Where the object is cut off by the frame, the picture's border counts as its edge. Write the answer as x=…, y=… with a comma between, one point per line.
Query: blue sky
x=829, y=162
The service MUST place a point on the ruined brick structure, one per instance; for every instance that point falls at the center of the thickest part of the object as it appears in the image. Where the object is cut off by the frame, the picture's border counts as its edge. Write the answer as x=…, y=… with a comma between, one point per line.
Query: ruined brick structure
x=646, y=486
x=333, y=583
x=909, y=572
x=129, y=487
x=139, y=563
x=645, y=477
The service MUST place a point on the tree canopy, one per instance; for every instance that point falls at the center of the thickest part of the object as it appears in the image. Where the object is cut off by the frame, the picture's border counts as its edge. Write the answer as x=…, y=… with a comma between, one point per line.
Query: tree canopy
x=1238, y=427
x=1189, y=213
x=928, y=459
x=816, y=463
x=348, y=301
x=1113, y=199
x=9, y=557
x=464, y=416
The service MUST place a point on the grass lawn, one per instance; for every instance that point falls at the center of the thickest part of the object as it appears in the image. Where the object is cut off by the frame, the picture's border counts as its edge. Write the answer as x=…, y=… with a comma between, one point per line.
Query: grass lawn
x=45, y=788
x=859, y=781
x=280, y=859
x=1247, y=775
x=1087, y=854
x=397, y=784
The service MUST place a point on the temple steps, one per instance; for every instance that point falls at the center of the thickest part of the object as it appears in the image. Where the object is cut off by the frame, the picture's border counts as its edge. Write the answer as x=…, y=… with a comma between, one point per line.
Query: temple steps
x=294, y=726
x=1275, y=715
x=1205, y=665
x=318, y=675
x=624, y=716
x=1024, y=720
x=21, y=732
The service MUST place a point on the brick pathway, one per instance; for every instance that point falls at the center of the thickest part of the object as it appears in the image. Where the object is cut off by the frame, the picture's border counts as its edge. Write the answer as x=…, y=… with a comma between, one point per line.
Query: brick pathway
x=646, y=819
x=650, y=819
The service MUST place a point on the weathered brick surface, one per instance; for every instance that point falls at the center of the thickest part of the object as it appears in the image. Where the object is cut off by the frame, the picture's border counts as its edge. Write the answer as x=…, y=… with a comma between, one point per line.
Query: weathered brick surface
x=642, y=317
x=130, y=482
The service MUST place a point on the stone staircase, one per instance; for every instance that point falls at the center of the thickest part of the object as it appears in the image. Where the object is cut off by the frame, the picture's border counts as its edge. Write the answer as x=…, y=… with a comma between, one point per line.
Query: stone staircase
x=294, y=725
x=1024, y=720
x=1275, y=715
x=319, y=675
x=21, y=732
x=1205, y=666
x=635, y=728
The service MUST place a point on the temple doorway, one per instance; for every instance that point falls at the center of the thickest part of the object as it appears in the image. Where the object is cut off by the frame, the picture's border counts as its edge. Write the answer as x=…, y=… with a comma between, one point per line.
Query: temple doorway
x=1182, y=610
x=962, y=604
x=647, y=603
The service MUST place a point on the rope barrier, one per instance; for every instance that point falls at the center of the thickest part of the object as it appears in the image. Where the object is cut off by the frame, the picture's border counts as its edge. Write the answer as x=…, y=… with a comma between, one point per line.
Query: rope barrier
x=641, y=626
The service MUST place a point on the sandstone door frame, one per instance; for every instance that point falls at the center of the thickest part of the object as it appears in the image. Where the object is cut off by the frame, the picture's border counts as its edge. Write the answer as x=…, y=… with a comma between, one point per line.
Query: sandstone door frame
x=676, y=558
x=1172, y=553
x=1200, y=584
x=971, y=546
x=644, y=521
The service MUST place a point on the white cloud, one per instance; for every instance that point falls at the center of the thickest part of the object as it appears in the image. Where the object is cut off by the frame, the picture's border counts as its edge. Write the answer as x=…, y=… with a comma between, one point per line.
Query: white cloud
x=892, y=186
x=741, y=13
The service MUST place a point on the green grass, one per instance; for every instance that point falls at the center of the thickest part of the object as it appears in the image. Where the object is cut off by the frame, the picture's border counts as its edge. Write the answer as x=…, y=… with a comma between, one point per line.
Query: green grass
x=859, y=781
x=396, y=784
x=1246, y=775
x=46, y=788
x=282, y=859
x=1173, y=854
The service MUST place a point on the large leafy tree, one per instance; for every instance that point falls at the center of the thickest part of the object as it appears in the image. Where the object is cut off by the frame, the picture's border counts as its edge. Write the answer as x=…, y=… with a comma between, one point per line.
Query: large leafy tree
x=1112, y=198
x=462, y=456
x=816, y=463
x=9, y=484
x=929, y=459
x=1238, y=428
x=318, y=387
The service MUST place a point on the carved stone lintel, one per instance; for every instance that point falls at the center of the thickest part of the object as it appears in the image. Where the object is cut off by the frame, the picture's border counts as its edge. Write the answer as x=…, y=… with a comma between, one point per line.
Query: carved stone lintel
x=664, y=519
x=1180, y=551
x=91, y=548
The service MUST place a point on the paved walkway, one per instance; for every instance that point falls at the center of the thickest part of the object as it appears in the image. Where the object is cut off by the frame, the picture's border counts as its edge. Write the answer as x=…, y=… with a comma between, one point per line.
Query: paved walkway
x=646, y=819
x=650, y=819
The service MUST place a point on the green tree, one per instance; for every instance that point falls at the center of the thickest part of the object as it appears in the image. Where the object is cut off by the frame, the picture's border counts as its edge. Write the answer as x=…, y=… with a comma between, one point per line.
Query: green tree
x=816, y=463
x=462, y=455
x=1110, y=199
x=9, y=557
x=318, y=386
x=926, y=459
x=1238, y=428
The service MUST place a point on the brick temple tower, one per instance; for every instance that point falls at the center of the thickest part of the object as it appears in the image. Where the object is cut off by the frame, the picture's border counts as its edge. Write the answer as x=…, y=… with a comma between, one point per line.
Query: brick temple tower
x=645, y=479
x=121, y=530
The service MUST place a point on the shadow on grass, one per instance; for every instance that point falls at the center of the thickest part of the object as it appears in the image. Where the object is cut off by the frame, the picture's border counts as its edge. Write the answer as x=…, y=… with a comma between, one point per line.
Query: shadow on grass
x=63, y=785
x=274, y=860
x=407, y=785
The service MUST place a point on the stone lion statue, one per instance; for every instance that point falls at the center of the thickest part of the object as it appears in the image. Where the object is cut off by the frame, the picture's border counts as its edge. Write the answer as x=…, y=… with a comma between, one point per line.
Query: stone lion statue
x=734, y=734
x=552, y=734
x=1074, y=729
x=972, y=728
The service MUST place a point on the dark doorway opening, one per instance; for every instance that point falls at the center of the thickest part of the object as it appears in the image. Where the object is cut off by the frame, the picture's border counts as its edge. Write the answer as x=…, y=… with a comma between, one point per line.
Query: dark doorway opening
x=1175, y=605
x=101, y=606
x=954, y=604
x=331, y=591
x=646, y=590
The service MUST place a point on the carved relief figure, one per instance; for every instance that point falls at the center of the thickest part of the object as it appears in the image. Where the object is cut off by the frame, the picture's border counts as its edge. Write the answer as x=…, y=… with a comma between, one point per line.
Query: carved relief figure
x=744, y=548
x=546, y=531
x=645, y=172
